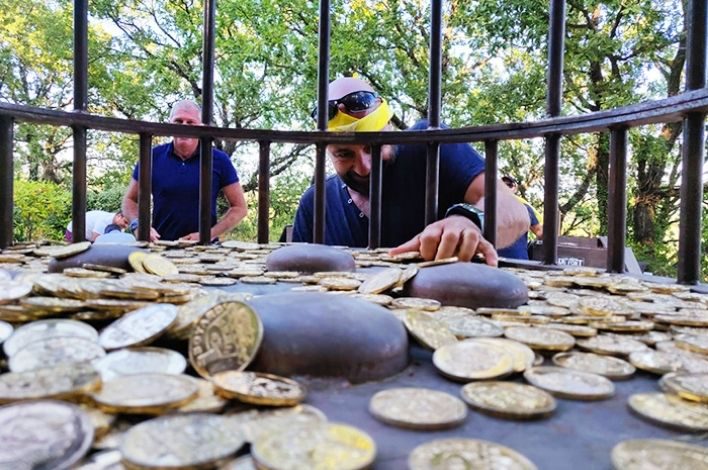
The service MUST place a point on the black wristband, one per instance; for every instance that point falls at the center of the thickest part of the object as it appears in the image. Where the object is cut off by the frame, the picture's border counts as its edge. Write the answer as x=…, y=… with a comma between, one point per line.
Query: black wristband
x=469, y=211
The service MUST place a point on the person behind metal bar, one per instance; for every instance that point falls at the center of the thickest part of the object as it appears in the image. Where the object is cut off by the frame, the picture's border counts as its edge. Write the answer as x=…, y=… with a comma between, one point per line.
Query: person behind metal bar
x=354, y=106
x=96, y=223
x=175, y=185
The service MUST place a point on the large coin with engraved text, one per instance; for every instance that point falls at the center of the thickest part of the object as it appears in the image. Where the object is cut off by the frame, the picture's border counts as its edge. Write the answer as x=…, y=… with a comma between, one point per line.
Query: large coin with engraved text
x=671, y=410
x=60, y=382
x=658, y=454
x=315, y=446
x=43, y=435
x=572, y=384
x=508, y=399
x=473, y=360
x=138, y=327
x=226, y=337
x=418, y=408
x=144, y=360
x=145, y=393
x=258, y=388
x=54, y=351
x=193, y=440
x=445, y=454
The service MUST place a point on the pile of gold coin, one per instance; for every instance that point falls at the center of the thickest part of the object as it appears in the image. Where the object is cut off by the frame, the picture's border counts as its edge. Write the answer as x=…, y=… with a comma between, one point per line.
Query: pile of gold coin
x=97, y=357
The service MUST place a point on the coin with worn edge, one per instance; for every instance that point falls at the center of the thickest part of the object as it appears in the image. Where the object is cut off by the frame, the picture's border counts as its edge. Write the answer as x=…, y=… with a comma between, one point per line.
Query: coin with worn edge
x=43, y=434
x=658, y=454
x=571, y=384
x=192, y=440
x=317, y=446
x=466, y=453
x=258, y=388
x=418, y=408
x=508, y=399
x=670, y=410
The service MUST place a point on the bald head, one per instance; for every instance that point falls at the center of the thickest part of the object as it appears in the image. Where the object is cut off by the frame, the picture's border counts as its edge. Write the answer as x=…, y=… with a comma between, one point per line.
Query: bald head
x=185, y=106
x=345, y=85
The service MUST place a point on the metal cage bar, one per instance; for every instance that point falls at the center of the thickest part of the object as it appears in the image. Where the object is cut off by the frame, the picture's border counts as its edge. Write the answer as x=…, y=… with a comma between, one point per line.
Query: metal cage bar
x=6, y=181
x=375, y=193
x=263, y=191
x=145, y=187
x=322, y=119
x=206, y=166
x=617, y=201
x=434, y=105
x=490, y=191
x=78, y=180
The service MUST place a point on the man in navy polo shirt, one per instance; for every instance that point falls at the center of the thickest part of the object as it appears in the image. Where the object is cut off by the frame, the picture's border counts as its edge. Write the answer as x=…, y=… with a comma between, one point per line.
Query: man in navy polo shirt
x=355, y=107
x=175, y=185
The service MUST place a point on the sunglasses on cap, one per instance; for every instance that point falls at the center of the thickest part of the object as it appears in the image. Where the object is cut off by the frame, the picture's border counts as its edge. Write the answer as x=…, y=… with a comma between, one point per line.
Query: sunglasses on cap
x=353, y=102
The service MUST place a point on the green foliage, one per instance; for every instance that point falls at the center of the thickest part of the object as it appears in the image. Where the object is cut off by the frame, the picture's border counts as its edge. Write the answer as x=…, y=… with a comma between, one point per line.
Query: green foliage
x=42, y=210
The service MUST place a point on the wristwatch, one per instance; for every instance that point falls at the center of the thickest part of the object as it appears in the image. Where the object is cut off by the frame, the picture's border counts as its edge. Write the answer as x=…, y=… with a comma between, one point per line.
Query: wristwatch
x=469, y=211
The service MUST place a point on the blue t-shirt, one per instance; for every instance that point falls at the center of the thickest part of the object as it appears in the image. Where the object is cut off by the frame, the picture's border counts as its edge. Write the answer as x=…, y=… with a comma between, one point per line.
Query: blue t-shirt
x=403, y=196
x=519, y=249
x=175, y=189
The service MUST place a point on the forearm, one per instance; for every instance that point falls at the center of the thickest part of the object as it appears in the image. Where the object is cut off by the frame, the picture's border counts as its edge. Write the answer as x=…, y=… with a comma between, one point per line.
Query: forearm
x=230, y=220
x=130, y=209
x=512, y=219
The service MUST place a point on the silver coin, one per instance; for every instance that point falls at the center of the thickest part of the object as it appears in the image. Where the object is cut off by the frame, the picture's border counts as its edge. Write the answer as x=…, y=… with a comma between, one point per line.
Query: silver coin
x=140, y=361
x=43, y=435
x=53, y=351
x=42, y=329
x=138, y=327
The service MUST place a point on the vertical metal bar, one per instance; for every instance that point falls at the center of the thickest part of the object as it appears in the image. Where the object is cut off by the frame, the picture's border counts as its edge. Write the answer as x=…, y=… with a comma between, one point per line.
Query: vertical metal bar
x=322, y=119
x=206, y=155
x=689, y=251
x=490, y=191
x=375, y=182
x=78, y=201
x=6, y=181
x=144, y=187
x=263, y=191
x=556, y=45
x=550, y=200
x=434, y=106
x=617, y=201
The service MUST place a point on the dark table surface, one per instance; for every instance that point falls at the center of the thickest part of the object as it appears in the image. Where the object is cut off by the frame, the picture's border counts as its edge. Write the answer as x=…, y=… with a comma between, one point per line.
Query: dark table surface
x=579, y=435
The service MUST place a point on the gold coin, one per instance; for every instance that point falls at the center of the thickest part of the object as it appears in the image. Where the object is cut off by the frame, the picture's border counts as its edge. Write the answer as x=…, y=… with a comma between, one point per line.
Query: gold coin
x=630, y=326
x=156, y=264
x=43, y=434
x=258, y=388
x=100, y=421
x=103, y=268
x=61, y=382
x=693, y=387
x=379, y=299
x=438, y=262
x=540, y=338
x=671, y=410
x=418, y=408
x=339, y=283
x=545, y=310
x=658, y=454
x=135, y=259
x=607, y=366
x=85, y=273
x=256, y=424
x=523, y=356
x=63, y=251
x=140, y=361
x=571, y=384
x=145, y=393
x=508, y=399
x=612, y=344
x=381, y=281
x=440, y=454
x=193, y=440
x=217, y=281
x=694, y=343
x=656, y=362
x=258, y=280
x=472, y=360
x=13, y=290
x=190, y=312
x=316, y=446
x=51, y=352
x=602, y=306
x=239, y=245
x=138, y=327
x=226, y=337
x=429, y=305
x=427, y=330
x=562, y=299
x=579, y=331
x=207, y=401
x=39, y=305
